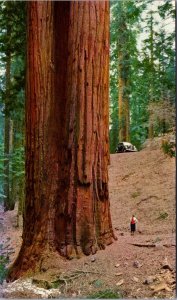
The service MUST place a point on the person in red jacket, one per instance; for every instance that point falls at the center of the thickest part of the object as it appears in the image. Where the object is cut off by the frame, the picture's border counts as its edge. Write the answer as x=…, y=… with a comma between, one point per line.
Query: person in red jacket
x=133, y=222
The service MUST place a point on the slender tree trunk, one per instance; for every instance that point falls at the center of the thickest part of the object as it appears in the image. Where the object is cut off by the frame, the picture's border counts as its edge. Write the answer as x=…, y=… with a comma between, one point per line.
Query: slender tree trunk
x=123, y=78
x=67, y=201
x=8, y=133
x=123, y=103
x=18, y=181
x=151, y=126
x=14, y=181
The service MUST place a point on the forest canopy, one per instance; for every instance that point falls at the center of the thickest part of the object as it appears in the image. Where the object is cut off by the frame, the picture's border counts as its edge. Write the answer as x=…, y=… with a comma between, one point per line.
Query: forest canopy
x=142, y=70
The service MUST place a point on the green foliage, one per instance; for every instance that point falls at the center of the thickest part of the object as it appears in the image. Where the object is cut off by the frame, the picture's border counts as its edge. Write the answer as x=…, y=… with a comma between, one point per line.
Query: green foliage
x=135, y=194
x=149, y=67
x=17, y=167
x=163, y=216
x=12, y=98
x=162, y=115
x=13, y=43
x=97, y=283
x=3, y=270
x=168, y=148
x=106, y=294
x=123, y=50
x=166, y=9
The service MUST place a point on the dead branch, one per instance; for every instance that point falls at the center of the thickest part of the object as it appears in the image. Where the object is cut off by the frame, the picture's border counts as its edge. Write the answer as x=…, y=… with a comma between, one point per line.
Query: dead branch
x=169, y=245
x=147, y=198
x=152, y=245
x=143, y=245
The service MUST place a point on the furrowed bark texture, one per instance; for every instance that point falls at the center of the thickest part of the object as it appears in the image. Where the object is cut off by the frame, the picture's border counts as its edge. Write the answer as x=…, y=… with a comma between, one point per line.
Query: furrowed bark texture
x=124, y=115
x=67, y=200
x=41, y=163
x=123, y=96
x=83, y=221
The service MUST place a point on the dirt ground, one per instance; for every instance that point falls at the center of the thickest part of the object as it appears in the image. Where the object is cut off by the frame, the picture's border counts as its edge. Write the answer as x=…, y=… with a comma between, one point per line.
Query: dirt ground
x=139, y=266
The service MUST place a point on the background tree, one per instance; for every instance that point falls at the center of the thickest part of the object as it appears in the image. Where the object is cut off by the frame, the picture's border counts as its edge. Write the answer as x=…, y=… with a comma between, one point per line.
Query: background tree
x=12, y=52
x=150, y=66
x=124, y=16
x=67, y=200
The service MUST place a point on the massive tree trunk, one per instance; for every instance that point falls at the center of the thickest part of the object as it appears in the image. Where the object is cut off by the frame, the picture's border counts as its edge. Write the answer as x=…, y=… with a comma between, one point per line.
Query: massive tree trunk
x=67, y=201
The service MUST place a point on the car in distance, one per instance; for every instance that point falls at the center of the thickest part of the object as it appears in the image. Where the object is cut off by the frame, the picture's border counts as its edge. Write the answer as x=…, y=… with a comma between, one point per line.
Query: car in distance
x=125, y=147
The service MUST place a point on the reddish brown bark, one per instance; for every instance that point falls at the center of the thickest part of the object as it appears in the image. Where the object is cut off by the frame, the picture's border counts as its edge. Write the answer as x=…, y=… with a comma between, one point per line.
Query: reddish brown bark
x=123, y=81
x=124, y=113
x=40, y=184
x=67, y=200
x=85, y=214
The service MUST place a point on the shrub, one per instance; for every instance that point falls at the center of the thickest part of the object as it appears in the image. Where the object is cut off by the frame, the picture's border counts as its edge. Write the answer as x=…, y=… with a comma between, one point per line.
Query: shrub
x=163, y=216
x=3, y=270
x=106, y=294
x=168, y=148
x=135, y=194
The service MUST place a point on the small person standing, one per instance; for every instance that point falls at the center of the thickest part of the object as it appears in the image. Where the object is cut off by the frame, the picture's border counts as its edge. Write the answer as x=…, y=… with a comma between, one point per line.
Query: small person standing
x=133, y=222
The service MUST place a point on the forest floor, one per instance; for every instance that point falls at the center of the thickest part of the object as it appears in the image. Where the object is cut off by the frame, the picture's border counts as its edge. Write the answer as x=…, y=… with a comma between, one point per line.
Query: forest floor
x=139, y=266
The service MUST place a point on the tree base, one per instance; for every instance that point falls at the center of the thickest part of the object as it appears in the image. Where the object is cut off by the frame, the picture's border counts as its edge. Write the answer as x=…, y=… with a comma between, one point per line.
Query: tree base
x=40, y=259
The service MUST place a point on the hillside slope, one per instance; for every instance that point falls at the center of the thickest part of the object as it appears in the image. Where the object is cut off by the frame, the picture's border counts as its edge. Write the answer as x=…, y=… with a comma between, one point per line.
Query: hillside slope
x=143, y=184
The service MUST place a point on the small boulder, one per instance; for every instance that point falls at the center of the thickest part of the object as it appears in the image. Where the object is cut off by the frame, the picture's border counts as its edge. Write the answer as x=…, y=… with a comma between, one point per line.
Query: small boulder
x=137, y=264
x=118, y=274
x=93, y=259
x=159, y=246
x=166, y=265
x=120, y=282
x=135, y=279
x=149, y=280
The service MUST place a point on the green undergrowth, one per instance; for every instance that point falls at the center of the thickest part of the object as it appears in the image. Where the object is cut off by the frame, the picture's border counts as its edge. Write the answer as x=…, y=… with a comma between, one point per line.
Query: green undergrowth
x=135, y=194
x=3, y=270
x=168, y=148
x=163, y=216
x=106, y=294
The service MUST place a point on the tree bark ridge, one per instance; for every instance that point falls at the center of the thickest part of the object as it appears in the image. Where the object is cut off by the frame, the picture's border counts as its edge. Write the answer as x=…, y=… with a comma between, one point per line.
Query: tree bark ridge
x=67, y=199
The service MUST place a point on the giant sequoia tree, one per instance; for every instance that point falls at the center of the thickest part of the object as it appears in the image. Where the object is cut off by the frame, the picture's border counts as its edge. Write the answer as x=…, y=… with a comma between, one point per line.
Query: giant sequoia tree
x=67, y=201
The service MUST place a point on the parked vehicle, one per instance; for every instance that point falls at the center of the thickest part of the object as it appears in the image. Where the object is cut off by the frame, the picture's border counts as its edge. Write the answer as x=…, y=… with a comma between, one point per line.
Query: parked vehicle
x=125, y=147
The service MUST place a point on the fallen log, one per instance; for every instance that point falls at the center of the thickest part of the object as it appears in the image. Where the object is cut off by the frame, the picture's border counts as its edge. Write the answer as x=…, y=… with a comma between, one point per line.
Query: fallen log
x=143, y=245
x=147, y=198
x=152, y=245
x=169, y=245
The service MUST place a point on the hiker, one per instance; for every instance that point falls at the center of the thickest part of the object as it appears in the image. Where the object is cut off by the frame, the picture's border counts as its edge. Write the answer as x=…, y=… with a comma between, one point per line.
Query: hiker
x=133, y=222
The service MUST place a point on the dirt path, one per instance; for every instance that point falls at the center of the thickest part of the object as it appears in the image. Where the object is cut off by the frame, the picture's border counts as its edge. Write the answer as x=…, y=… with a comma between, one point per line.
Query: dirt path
x=142, y=183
